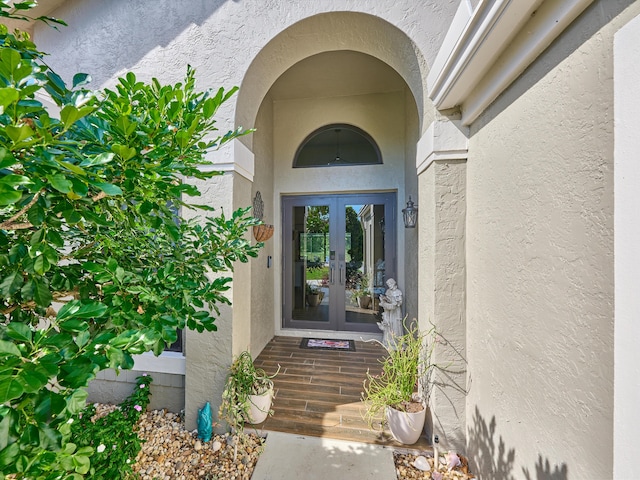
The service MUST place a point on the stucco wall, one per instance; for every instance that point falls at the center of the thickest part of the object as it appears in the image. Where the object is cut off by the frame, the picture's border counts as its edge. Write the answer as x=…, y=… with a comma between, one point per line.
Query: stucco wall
x=540, y=263
x=442, y=295
x=263, y=276
x=242, y=274
x=157, y=38
x=167, y=390
x=411, y=238
x=209, y=354
x=627, y=255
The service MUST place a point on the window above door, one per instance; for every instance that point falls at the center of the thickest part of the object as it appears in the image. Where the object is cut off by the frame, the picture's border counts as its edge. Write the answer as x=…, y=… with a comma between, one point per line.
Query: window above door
x=337, y=145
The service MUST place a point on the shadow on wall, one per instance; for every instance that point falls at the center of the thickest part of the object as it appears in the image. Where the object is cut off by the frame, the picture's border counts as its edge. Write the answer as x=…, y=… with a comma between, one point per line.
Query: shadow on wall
x=583, y=28
x=450, y=382
x=144, y=26
x=491, y=459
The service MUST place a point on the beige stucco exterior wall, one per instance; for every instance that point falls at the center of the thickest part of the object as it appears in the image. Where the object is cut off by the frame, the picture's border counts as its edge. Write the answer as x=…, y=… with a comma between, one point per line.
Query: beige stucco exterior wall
x=411, y=237
x=209, y=354
x=627, y=255
x=540, y=263
x=442, y=295
x=263, y=277
x=242, y=275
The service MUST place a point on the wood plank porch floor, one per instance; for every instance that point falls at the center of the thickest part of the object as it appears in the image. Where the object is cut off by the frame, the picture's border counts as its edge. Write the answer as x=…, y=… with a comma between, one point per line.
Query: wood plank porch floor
x=318, y=392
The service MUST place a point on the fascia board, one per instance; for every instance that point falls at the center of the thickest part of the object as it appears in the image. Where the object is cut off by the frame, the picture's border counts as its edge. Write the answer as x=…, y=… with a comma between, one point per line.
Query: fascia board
x=487, y=33
x=471, y=72
x=548, y=23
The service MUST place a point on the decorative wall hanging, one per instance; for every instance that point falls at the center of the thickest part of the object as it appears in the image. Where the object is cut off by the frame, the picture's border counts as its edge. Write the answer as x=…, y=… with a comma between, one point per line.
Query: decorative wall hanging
x=261, y=232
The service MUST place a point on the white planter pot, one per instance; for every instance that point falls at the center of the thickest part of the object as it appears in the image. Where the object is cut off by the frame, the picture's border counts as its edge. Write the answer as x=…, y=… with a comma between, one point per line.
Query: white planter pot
x=259, y=406
x=405, y=427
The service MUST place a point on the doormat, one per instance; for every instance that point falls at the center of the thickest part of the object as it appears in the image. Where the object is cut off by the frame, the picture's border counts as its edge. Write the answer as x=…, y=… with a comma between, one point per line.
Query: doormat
x=324, y=344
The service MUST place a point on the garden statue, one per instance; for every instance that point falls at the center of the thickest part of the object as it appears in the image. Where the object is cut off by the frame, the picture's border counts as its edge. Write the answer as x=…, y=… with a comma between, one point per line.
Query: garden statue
x=391, y=324
x=205, y=425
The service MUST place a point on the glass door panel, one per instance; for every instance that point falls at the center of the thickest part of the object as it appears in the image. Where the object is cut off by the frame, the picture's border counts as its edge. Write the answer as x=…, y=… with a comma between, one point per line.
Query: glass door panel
x=338, y=251
x=310, y=260
x=365, y=262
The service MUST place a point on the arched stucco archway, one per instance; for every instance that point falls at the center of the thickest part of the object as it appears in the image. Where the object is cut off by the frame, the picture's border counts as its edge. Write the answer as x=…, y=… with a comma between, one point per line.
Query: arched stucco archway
x=326, y=32
x=379, y=88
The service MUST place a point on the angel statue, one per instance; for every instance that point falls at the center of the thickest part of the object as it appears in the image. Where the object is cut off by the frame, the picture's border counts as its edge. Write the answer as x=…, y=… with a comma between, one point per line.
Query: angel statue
x=391, y=324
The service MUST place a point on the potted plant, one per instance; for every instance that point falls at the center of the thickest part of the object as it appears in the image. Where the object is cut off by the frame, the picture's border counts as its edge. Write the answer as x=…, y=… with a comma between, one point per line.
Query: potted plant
x=361, y=295
x=401, y=391
x=248, y=393
x=313, y=295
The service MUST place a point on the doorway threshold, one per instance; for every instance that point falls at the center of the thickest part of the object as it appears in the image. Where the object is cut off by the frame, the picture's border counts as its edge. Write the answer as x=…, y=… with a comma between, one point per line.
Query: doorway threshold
x=328, y=334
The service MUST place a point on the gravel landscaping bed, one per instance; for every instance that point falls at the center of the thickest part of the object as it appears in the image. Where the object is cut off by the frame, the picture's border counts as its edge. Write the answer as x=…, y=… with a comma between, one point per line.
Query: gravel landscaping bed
x=171, y=452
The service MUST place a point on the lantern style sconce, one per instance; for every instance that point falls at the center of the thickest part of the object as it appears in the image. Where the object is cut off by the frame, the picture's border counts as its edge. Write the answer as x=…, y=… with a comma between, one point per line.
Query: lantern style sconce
x=410, y=215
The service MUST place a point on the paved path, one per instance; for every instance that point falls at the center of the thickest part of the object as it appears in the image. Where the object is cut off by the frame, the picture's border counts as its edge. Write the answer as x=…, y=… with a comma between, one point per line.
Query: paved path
x=293, y=457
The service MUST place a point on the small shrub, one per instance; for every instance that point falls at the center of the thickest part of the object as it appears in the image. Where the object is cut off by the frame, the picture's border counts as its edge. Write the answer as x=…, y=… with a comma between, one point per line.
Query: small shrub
x=113, y=437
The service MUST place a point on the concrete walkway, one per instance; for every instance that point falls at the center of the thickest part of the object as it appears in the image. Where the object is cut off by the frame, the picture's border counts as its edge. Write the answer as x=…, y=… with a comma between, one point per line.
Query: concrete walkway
x=292, y=457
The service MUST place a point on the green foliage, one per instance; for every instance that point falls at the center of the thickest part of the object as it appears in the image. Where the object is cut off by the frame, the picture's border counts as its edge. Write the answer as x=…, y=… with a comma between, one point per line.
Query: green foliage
x=354, y=231
x=113, y=438
x=361, y=287
x=244, y=379
x=317, y=219
x=407, y=363
x=96, y=264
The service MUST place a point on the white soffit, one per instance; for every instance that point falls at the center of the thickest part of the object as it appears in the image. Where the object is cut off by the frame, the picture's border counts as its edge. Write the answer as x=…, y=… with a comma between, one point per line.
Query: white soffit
x=472, y=67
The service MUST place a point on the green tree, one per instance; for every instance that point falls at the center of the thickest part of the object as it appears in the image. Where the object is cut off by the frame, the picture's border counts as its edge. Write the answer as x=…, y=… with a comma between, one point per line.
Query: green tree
x=318, y=222
x=96, y=265
x=354, y=227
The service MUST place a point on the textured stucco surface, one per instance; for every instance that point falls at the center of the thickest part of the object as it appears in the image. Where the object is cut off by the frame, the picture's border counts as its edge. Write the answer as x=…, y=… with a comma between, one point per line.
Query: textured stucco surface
x=264, y=277
x=627, y=255
x=405, y=34
x=442, y=290
x=540, y=263
x=411, y=237
x=209, y=354
x=167, y=390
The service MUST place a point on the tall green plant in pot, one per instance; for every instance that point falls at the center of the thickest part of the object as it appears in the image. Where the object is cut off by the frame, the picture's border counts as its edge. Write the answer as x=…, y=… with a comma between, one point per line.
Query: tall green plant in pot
x=247, y=394
x=401, y=391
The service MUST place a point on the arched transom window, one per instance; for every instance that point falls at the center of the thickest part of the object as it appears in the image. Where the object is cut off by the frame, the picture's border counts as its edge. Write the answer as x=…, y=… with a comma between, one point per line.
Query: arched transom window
x=337, y=145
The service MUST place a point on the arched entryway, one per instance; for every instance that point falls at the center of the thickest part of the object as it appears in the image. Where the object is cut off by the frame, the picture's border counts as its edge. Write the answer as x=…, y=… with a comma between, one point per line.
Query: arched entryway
x=331, y=70
x=331, y=80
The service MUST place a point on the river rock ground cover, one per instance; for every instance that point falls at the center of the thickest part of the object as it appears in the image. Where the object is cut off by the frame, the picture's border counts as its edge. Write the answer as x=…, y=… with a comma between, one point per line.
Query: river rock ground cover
x=170, y=452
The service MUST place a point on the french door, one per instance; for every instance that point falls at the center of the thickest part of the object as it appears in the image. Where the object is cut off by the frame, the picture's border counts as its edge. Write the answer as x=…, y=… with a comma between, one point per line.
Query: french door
x=338, y=252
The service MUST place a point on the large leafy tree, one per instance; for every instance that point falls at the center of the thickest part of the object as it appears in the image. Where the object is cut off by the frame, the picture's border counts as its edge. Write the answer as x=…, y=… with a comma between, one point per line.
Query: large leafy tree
x=96, y=264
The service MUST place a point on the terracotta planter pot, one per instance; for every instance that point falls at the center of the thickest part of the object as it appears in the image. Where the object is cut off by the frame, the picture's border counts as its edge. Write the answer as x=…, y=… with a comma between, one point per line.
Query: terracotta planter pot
x=405, y=427
x=259, y=407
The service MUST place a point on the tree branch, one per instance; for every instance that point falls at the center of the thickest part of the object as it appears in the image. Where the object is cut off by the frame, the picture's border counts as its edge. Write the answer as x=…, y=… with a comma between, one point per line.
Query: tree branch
x=10, y=225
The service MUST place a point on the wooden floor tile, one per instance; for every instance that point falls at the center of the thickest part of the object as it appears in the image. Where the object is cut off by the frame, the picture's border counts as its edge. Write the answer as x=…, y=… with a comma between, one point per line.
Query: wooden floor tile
x=318, y=392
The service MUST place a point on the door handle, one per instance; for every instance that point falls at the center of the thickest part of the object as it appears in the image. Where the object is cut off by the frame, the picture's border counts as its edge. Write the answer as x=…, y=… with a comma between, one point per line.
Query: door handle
x=341, y=279
x=332, y=269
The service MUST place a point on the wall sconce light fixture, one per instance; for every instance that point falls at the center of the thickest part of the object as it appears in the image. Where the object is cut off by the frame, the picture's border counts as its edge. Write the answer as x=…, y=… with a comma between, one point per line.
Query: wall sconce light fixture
x=410, y=215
